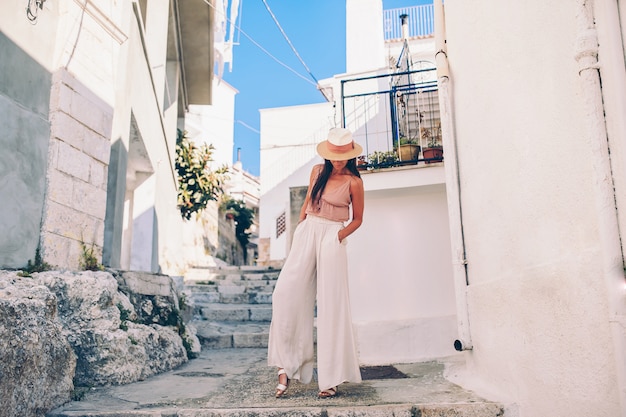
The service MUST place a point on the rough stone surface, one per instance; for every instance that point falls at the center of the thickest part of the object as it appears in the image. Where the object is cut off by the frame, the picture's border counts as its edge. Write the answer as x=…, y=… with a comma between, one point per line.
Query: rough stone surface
x=159, y=299
x=154, y=297
x=191, y=341
x=98, y=322
x=36, y=361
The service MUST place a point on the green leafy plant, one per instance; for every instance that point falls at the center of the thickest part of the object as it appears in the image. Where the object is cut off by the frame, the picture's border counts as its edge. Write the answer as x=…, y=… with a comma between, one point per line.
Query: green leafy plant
x=407, y=141
x=37, y=266
x=88, y=260
x=243, y=217
x=197, y=183
x=388, y=158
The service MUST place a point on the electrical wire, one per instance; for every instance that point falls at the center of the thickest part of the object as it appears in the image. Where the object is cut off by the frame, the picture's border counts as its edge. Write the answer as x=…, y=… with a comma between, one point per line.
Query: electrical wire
x=244, y=124
x=261, y=48
x=293, y=48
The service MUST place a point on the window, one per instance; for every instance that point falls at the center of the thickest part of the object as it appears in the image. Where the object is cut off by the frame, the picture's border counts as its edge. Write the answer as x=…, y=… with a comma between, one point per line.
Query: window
x=280, y=224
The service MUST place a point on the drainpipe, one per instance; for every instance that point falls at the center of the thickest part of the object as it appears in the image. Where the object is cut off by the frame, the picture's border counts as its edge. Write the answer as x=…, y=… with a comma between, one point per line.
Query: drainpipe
x=459, y=263
x=612, y=258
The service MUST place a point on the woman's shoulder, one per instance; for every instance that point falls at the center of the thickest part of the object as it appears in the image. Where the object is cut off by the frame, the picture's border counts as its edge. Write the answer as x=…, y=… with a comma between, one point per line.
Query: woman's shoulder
x=354, y=180
x=315, y=171
x=317, y=168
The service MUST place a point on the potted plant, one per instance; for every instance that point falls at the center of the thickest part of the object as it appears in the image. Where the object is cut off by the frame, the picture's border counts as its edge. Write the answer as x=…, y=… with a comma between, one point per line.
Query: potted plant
x=382, y=159
x=361, y=162
x=408, y=149
x=433, y=151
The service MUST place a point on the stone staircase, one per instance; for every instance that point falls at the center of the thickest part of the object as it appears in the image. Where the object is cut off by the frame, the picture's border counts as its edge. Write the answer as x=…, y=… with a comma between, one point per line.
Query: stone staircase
x=231, y=310
x=231, y=305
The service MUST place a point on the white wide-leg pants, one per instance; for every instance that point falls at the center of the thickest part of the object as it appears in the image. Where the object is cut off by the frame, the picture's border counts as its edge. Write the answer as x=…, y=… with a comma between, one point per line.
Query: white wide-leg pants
x=317, y=264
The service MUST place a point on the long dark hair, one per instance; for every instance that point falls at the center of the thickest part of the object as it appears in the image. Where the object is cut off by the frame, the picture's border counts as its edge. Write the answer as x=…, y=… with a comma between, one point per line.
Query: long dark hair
x=322, y=179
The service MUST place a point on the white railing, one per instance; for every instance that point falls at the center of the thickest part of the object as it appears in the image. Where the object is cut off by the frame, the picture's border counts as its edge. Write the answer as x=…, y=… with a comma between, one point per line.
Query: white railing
x=421, y=21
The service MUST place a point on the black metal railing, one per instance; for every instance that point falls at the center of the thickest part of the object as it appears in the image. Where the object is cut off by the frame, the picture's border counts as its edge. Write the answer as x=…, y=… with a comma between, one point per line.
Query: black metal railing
x=395, y=117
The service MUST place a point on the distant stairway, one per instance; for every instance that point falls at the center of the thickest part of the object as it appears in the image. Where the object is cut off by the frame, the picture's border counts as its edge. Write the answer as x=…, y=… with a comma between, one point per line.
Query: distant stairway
x=232, y=306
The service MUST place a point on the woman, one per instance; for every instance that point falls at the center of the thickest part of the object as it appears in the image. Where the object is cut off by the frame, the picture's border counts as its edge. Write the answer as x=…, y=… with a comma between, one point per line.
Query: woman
x=317, y=266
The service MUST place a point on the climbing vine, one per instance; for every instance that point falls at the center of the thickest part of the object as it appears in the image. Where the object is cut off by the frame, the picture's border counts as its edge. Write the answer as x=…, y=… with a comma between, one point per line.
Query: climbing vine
x=197, y=183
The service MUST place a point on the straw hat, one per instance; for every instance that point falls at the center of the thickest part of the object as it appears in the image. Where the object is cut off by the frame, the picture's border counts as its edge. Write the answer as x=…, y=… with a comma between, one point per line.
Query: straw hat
x=339, y=146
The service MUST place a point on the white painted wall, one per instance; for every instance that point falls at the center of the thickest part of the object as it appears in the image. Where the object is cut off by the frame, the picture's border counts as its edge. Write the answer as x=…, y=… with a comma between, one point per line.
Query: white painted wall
x=537, y=300
x=288, y=139
x=161, y=248
x=400, y=273
x=29, y=37
x=364, y=36
x=215, y=124
x=79, y=119
x=92, y=97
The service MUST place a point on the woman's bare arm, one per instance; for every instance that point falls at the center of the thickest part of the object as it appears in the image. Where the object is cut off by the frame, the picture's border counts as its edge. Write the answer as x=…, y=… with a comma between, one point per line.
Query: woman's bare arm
x=358, y=198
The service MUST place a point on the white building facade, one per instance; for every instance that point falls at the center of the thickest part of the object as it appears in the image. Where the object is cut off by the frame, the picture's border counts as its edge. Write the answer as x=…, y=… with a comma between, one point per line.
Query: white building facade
x=542, y=229
x=92, y=94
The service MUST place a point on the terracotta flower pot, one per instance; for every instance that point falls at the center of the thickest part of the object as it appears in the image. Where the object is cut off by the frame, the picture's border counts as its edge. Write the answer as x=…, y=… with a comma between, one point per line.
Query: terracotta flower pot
x=434, y=154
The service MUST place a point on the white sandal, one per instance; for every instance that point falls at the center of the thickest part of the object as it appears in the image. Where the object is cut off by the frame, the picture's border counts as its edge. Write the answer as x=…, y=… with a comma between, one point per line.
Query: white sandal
x=281, y=389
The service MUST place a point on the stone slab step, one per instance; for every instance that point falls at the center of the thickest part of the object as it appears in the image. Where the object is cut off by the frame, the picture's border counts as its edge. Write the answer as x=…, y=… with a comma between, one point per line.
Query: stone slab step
x=198, y=274
x=200, y=301
x=244, y=269
x=228, y=294
x=236, y=312
x=230, y=287
x=221, y=335
x=243, y=279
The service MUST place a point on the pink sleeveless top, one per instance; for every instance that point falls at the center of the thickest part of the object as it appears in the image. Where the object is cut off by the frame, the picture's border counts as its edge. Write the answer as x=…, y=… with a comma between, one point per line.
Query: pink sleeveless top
x=333, y=204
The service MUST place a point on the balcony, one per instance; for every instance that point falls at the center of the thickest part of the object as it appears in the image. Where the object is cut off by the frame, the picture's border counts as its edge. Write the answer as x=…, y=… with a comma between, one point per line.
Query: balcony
x=420, y=22
x=395, y=118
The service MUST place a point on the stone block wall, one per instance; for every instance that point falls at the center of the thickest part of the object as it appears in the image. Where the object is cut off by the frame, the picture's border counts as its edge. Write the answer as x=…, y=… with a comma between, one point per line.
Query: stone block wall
x=75, y=203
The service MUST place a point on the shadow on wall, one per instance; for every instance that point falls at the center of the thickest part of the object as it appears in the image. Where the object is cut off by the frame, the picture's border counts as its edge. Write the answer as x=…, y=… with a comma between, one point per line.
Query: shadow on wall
x=114, y=216
x=144, y=247
x=24, y=106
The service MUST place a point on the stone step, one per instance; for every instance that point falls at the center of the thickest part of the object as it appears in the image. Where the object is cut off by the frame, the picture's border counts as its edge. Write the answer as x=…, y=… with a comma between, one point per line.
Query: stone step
x=231, y=287
x=241, y=279
x=199, y=301
x=212, y=274
x=222, y=334
x=231, y=306
x=236, y=312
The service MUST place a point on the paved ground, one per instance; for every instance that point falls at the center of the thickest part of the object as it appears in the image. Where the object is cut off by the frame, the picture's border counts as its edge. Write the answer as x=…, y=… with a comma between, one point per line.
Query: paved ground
x=237, y=382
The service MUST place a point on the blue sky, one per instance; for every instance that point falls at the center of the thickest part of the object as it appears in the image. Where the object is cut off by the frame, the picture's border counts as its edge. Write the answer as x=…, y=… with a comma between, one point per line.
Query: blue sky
x=316, y=28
